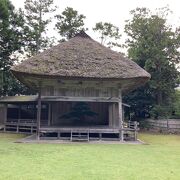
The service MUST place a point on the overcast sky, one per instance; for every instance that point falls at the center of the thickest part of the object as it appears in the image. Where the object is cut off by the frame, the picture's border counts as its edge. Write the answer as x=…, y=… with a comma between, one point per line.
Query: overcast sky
x=114, y=11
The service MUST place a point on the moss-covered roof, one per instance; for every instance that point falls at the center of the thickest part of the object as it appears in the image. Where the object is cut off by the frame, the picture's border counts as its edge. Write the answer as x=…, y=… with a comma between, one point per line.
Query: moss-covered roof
x=83, y=57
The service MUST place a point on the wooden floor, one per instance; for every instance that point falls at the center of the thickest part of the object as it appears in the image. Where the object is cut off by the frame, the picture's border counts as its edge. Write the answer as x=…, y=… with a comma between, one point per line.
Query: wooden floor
x=93, y=129
x=75, y=132
x=88, y=133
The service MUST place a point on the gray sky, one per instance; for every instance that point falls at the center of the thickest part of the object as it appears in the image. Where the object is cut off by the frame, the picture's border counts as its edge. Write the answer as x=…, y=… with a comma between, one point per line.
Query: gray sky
x=114, y=11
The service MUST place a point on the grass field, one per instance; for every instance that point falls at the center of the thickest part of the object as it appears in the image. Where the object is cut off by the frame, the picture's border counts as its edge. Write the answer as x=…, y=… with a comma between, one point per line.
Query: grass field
x=158, y=160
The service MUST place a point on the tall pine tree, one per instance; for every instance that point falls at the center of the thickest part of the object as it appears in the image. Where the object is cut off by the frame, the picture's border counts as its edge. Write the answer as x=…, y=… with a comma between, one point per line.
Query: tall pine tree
x=69, y=23
x=37, y=18
x=108, y=34
x=11, y=41
x=154, y=46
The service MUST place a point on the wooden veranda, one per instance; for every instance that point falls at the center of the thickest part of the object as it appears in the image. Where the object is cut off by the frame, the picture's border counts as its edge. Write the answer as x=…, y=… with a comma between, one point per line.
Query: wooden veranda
x=46, y=129
x=128, y=132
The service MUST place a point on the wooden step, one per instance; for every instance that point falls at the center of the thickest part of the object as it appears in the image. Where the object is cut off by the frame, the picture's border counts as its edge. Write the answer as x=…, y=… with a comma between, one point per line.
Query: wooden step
x=79, y=136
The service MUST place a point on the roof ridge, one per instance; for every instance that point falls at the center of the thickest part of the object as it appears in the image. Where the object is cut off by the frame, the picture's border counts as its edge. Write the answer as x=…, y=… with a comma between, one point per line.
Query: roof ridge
x=82, y=34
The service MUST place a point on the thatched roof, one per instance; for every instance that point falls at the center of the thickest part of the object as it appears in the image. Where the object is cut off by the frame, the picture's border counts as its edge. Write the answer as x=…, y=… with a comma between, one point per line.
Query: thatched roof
x=81, y=57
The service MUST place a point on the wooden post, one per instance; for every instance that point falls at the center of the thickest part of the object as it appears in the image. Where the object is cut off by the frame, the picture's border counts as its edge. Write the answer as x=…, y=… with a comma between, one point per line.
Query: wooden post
x=58, y=135
x=120, y=116
x=113, y=115
x=123, y=113
x=110, y=114
x=100, y=136
x=19, y=116
x=49, y=114
x=167, y=124
x=135, y=130
x=88, y=137
x=19, y=113
x=5, y=116
x=38, y=114
x=71, y=135
x=31, y=129
x=5, y=113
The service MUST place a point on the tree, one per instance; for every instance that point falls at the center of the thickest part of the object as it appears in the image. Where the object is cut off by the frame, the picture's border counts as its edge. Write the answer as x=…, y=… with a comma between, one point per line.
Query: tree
x=154, y=46
x=109, y=33
x=11, y=36
x=70, y=22
x=79, y=112
x=37, y=19
x=176, y=104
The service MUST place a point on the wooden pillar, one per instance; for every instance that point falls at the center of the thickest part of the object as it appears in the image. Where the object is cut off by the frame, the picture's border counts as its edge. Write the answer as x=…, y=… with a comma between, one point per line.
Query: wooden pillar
x=135, y=130
x=120, y=116
x=58, y=135
x=19, y=113
x=19, y=116
x=49, y=114
x=31, y=129
x=100, y=136
x=110, y=114
x=113, y=115
x=123, y=111
x=5, y=115
x=38, y=114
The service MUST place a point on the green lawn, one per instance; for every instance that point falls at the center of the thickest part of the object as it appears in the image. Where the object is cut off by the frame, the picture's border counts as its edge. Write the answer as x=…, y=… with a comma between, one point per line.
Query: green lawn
x=158, y=160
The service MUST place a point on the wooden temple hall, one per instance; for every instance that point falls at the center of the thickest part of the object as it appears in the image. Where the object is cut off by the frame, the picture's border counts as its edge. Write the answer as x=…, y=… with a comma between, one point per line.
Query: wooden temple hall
x=80, y=84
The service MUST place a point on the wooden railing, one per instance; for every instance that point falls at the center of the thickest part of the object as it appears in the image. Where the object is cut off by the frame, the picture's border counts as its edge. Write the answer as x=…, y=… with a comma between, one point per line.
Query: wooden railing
x=26, y=121
x=129, y=131
x=131, y=125
x=165, y=125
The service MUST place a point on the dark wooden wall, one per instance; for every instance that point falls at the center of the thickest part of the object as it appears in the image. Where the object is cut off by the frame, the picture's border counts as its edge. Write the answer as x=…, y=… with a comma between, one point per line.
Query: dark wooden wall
x=79, y=92
x=3, y=113
x=113, y=115
x=61, y=108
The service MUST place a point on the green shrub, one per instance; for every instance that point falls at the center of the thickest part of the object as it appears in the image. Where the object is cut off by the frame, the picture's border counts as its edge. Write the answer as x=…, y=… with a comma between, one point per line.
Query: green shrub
x=160, y=112
x=143, y=124
x=176, y=105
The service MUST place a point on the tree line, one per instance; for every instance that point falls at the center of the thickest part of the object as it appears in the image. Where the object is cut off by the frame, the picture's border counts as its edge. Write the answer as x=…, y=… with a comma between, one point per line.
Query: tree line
x=151, y=42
